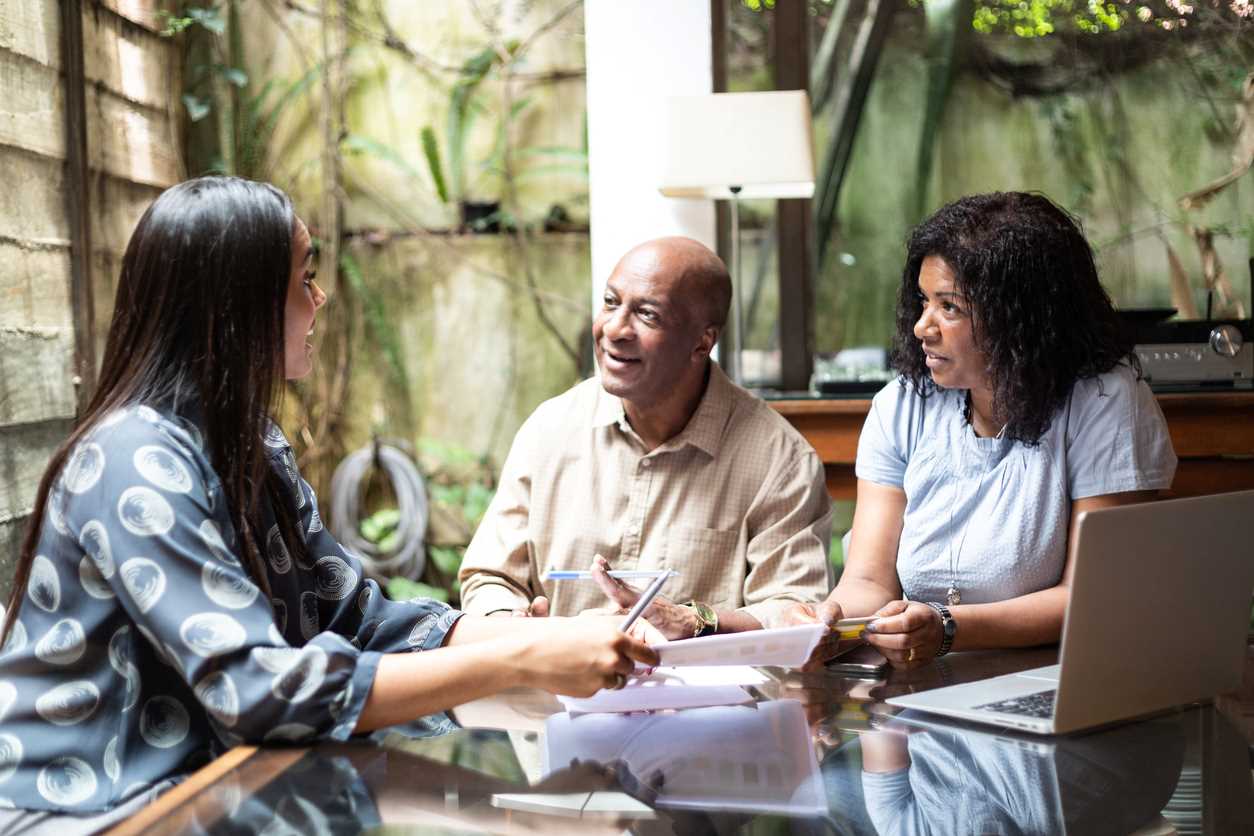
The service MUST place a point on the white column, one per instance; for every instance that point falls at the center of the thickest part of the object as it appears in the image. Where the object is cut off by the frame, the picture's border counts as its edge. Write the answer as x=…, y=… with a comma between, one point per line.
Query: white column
x=638, y=53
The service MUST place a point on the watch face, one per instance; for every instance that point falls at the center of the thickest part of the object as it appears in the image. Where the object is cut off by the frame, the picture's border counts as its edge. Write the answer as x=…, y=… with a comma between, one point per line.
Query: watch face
x=706, y=616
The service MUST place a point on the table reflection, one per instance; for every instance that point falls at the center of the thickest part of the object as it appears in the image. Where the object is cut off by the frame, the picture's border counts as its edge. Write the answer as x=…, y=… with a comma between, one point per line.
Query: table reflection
x=756, y=758
x=922, y=777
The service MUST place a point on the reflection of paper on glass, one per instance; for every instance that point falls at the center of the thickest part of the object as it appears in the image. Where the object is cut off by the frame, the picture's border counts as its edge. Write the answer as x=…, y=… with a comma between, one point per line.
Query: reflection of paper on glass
x=788, y=647
x=574, y=804
x=674, y=688
x=743, y=758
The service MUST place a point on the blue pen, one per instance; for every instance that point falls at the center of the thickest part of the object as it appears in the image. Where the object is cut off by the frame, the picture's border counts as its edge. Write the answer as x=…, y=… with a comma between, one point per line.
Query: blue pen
x=626, y=574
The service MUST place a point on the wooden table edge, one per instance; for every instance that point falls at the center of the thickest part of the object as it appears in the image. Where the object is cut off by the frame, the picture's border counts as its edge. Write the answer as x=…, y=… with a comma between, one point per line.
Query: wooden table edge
x=197, y=782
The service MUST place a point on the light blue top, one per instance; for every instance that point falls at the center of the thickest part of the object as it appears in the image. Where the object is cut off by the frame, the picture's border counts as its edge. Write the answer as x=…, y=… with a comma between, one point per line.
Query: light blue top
x=992, y=514
x=143, y=648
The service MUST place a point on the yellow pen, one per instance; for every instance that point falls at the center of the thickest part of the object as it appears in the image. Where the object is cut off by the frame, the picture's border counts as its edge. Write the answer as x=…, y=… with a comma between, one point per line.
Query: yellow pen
x=852, y=628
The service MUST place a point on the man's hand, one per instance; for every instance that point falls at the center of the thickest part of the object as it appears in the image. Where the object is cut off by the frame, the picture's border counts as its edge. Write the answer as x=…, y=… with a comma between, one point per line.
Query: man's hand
x=672, y=620
x=831, y=645
x=538, y=608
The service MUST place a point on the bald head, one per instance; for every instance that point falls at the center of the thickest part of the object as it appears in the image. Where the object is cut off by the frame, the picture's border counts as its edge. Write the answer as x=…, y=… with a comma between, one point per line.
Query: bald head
x=697, y=277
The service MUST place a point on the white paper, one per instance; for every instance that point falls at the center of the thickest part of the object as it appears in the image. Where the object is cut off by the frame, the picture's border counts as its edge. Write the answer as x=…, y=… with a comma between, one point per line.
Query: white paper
x=673, y=688
x=756, y=758
x=788, y=647
x=706, y=675
x=657, y=699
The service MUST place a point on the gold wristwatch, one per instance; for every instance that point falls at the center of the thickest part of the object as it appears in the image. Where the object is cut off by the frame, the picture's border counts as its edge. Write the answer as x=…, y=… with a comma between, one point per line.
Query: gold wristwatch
x=707, y=619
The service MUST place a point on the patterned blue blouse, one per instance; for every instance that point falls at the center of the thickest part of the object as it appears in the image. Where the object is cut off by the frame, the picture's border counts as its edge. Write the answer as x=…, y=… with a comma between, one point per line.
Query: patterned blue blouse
x=142, y=649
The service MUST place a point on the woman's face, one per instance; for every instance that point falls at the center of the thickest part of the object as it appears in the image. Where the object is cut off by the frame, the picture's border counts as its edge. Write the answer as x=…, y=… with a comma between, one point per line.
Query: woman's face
x=304, y=297
x=944, y=329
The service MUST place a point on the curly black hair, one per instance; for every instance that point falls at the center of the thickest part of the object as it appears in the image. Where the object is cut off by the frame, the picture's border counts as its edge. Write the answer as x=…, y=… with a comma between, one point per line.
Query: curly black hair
x=1039, y=312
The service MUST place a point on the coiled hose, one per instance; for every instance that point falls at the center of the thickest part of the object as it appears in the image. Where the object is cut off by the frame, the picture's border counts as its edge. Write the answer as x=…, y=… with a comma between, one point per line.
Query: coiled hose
x=409, y=556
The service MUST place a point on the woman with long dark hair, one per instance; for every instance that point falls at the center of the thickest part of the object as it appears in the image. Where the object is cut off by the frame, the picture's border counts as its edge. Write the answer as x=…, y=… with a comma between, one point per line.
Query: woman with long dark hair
x=177, y=593
x=1019, y=405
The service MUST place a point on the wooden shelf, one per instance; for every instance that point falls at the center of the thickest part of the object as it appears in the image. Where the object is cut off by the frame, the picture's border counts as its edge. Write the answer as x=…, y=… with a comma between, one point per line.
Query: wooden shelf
x=1212, y=432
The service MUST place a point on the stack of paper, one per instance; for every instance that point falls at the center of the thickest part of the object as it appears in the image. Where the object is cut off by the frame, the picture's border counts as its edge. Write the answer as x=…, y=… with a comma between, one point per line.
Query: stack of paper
x=707, y=671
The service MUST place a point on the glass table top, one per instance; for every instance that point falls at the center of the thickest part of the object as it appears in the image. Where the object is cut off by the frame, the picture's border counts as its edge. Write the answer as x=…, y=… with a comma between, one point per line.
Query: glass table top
x=812, y=753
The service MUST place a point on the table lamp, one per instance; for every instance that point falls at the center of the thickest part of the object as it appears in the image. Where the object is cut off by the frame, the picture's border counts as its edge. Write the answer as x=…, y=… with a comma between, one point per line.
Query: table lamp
x=728, y=146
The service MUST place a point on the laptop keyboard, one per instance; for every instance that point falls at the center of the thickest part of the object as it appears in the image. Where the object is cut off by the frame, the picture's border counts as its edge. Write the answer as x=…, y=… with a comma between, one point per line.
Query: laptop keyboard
x=1040, y=704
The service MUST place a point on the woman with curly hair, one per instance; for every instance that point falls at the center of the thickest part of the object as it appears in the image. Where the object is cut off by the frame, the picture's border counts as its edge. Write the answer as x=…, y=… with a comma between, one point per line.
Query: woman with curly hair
x=1019, y=405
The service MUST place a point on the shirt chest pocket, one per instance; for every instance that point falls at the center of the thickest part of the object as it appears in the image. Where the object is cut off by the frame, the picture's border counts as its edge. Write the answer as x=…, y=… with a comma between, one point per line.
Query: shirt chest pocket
x=711, y=567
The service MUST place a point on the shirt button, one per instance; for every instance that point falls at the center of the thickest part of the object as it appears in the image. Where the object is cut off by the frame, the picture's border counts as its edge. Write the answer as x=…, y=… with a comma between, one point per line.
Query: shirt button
x=646, y=462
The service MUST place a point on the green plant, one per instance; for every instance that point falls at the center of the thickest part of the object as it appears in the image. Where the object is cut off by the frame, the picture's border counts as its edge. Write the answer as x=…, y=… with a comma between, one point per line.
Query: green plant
x=382, y=527
x=463, y=108
x=460, y=485
x=450, y=170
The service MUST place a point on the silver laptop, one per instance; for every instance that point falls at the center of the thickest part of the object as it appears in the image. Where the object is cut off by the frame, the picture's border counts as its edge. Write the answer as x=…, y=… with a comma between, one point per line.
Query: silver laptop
x=1158, y=617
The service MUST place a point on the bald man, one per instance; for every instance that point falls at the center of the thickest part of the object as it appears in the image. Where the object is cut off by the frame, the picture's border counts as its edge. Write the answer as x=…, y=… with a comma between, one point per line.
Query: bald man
x=660, y=463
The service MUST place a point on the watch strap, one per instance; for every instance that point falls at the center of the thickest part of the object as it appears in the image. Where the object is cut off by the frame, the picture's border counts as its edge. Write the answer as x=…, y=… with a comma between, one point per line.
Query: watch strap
x=948, y=627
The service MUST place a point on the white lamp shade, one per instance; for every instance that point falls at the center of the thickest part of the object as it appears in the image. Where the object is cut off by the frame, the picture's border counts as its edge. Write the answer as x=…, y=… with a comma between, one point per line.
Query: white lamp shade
x=761, y=142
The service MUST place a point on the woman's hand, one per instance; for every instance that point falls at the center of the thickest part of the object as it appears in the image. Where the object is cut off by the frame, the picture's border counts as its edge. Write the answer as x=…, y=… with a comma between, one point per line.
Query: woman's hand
x=907, y=633
x=579, y=662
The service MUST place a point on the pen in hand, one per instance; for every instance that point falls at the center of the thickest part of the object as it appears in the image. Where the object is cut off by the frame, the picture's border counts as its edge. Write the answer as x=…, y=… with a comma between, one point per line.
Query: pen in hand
x=645, y=599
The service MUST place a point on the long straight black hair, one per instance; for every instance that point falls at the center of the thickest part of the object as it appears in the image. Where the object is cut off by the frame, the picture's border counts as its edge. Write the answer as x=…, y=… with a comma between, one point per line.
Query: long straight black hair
x=199, y=322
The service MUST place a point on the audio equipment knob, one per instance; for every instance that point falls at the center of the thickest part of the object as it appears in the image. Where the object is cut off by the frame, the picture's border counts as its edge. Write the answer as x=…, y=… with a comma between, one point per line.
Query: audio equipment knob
x=1226, y=340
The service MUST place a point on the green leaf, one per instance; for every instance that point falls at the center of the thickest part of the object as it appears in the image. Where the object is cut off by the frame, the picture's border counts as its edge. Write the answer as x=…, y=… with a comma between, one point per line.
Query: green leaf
x=380, y=526
x=446, y=558
x=361, y=144
x=235, y=77
x=197, y=108
x=476, y=503
x=431, y=152
x=404, y=589
x=461, y=114
x=172, y=24
x=208, y=18
x=445, y=452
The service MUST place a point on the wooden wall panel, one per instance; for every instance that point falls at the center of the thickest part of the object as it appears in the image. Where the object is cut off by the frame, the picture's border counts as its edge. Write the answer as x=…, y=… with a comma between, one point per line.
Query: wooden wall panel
x=131, y=97
x=129, y=142
x=36, y=375
x=32, y=201
x=31, y=28
x=129, y=60
x=126, y=202
x=145, y=13
x=32, y=117
x=24, y=452
x=31, y=294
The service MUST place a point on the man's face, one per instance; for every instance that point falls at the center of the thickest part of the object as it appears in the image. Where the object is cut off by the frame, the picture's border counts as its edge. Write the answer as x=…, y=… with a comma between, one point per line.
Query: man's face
x=648, y=336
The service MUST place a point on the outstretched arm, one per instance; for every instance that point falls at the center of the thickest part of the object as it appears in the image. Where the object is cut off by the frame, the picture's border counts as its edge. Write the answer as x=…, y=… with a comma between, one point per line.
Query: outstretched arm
x=869, y=579
x=484, y=656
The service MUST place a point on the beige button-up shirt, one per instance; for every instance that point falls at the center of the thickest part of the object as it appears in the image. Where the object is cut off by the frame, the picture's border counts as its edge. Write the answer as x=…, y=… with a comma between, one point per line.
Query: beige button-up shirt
x=736, y=503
